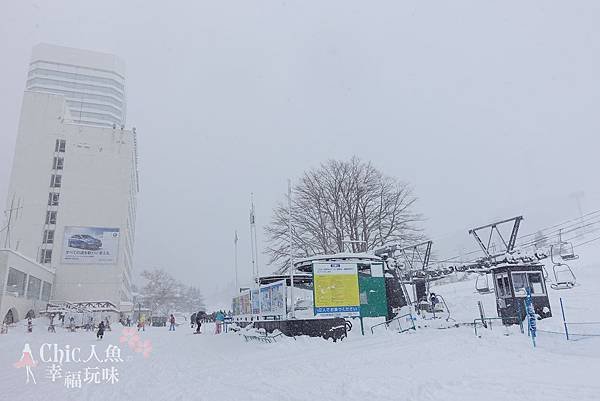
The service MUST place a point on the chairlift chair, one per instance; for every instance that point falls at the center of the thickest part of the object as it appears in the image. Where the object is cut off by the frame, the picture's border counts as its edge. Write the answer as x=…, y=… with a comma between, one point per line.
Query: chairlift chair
x=567, y=252
x=482, y=284
x=563, y=269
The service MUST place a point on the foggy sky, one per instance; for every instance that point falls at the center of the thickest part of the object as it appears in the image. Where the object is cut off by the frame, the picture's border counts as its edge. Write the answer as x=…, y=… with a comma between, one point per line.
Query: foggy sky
x=489, y=110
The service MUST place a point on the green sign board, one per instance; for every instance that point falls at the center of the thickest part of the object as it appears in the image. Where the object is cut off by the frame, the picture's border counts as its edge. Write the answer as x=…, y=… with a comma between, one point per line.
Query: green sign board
x=373, y=297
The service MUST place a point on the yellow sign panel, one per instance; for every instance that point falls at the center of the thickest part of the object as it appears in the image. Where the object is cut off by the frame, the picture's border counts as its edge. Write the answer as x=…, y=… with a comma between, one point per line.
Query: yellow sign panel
x=336, y=289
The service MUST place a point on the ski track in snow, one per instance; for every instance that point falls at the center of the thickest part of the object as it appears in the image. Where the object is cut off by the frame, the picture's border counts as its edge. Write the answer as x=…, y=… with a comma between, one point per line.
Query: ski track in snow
x=429, y=364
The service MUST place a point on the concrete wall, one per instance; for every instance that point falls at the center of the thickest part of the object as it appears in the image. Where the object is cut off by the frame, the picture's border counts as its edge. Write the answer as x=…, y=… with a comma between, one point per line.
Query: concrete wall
x=9, y=300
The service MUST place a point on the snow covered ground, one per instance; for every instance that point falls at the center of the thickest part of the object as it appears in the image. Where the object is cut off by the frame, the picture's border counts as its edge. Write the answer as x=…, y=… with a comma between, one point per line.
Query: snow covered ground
x=429, y=364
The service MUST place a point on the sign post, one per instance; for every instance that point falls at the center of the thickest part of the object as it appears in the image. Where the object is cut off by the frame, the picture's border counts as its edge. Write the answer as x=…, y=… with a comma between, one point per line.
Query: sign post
x=531, y=321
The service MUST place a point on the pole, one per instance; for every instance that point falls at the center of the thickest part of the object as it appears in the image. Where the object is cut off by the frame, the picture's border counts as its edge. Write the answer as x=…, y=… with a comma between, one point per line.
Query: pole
x=562, y=309
x=292, y=299
x=253, y=245
x=235, y=245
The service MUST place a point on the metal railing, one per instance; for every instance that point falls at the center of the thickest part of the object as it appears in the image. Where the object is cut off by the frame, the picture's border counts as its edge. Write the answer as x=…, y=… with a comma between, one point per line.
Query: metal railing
x=401, y=330
x=490, y=319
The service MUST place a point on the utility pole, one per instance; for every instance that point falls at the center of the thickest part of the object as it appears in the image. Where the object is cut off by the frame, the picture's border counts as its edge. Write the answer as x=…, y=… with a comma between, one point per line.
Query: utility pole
x=235, y=245
x=291, y=250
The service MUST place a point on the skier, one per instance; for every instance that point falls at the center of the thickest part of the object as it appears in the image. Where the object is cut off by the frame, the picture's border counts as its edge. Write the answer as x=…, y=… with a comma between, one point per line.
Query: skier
x=172, y=323
x=192, y=320
x=128, y=321
x=51, y=328
x=100, y=333
x=29, y=325
x=198, y=323
x=219, y=321
x=71, y=323
x=142, y=323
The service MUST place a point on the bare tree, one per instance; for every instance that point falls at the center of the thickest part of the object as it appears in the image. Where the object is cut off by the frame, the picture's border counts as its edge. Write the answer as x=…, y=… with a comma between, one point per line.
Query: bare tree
x=164, y=294
x=340, y=206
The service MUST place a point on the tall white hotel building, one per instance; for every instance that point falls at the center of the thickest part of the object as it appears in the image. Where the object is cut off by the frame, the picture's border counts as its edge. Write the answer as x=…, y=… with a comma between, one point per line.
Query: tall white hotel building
x=74, y=180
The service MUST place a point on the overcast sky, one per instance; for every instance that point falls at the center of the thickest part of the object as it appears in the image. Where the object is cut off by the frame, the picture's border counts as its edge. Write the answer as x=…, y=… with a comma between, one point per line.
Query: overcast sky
x=489, y=110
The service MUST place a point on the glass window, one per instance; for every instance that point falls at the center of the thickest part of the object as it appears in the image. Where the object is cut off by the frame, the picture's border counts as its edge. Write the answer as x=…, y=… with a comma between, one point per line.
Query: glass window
x=535, y=282
x=55, y=180
x=503, y=286
x=48, y=236
x=520, y=283
x=58, y=163
x=507, y=286
x=16, y=282
x=46, y=256
x=500, y=287
x=51, y=217
x=34, y=287
x=60, y=146
x=53, y=199
x=46, y=291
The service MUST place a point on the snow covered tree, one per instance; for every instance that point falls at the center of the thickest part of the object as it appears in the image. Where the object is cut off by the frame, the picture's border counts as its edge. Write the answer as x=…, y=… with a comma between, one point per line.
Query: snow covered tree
x=164, y=294
x=343, y=206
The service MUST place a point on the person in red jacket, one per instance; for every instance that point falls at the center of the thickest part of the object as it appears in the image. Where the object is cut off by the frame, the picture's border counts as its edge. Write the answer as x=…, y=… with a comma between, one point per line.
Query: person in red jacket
x=172, y=321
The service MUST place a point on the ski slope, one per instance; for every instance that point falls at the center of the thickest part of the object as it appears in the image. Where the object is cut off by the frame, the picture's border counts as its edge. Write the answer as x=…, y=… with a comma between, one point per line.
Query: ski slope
x=429, y=364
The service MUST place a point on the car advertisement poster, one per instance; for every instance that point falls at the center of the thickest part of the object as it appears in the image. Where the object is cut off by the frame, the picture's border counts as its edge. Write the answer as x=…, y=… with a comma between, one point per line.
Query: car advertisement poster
x=90, y=245
x=336, y=291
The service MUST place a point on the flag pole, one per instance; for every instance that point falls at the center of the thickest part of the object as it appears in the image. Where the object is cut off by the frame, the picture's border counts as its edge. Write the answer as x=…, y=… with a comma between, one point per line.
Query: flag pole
x=254, y=246
x=293, y=307
x=235, y=246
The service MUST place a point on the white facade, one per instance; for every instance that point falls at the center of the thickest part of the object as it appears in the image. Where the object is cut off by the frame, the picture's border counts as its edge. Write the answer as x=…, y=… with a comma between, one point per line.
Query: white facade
x=92, y=83
x=25, y=286
x=67, y=177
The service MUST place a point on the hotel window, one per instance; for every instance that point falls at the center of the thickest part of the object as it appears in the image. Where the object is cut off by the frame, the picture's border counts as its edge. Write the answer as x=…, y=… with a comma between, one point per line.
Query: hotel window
x=55, y=180
x=48, y=236
x=50, y=217
x=60, y=146
x=53, y=199
x=58, y=163
x=46, y=256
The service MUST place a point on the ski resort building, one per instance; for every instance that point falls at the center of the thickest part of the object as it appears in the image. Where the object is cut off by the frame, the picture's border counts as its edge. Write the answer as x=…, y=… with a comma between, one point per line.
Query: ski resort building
x=26, y=286
x=71, y=202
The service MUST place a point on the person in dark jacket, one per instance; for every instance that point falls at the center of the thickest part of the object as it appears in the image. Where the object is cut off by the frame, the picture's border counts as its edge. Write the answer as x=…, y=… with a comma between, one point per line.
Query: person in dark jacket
x=198, y=322
x=100, y=333
x=192, y=320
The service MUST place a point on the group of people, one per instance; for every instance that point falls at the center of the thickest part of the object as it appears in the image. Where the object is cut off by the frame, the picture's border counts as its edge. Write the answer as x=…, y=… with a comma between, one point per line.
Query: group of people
x=196, y=321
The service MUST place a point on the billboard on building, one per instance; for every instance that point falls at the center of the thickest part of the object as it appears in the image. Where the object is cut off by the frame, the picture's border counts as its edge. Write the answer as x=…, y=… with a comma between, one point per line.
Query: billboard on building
x=90, y=245
x=336, y=289
x=245, y=305
x=273, y=299
x=255, y=303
